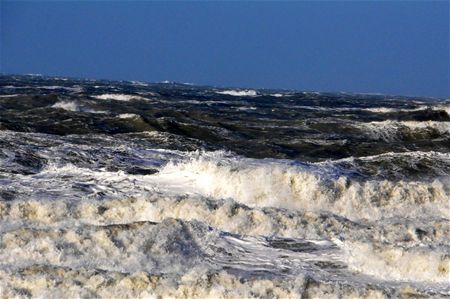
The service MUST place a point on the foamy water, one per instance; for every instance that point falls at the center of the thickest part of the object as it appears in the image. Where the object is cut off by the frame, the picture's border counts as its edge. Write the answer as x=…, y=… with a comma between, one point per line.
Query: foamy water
x=194, y=195
x=238, y=93
x=75, y=107
x=118, y=97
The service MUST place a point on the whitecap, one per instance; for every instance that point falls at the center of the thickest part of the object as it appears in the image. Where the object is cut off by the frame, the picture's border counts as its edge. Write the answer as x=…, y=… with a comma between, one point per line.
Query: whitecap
x=239, y=93
x=388, y=130
x=397, y=263
x=421, y=108
x=277, y=95
x=119, y=97
x=75, y=107
x=77, y=89
x=128, y=115
x=246, y=108
x=273, y=183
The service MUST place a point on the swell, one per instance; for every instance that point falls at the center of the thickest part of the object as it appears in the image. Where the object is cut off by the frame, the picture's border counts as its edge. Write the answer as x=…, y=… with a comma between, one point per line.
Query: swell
x=305, y=126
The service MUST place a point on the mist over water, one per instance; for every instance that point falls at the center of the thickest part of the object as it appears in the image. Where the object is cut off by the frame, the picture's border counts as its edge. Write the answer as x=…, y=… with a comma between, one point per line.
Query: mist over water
x=116, y=189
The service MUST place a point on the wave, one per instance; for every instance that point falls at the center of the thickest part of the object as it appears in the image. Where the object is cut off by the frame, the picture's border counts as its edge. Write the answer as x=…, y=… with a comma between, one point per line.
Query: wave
x=128, y=115
x=76, y=89
x=305, y=187
x=177, y=259
x=119, y=97
x=396, y=166
x=147, y=200
x=227, y=215
x=396, y=263
x=445, y=108
x=327, y=186
x=389, y=130
x=246, y=108
x=8, y=95
x=391, y=110
x=75, y=107
x=278, y=95
x=239, y=93
x=311, y=233
x=173, y=246
x=436, y=112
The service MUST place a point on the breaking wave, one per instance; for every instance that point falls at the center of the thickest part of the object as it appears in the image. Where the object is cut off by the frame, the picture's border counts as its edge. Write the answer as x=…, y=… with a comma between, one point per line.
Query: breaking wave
x=134, y=189
x=391, y=130
x=75, y=107
x=307, y=187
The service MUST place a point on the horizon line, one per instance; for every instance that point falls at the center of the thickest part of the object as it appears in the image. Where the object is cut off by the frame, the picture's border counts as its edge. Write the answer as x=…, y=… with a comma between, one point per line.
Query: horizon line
x=373, y=93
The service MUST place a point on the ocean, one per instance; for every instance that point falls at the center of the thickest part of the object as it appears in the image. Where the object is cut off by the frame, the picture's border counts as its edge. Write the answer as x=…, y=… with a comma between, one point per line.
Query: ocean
x=127, y=189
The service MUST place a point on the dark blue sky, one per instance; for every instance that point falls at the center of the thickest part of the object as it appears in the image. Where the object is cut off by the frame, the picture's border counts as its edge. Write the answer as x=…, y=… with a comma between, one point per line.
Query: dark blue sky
x=393, y=47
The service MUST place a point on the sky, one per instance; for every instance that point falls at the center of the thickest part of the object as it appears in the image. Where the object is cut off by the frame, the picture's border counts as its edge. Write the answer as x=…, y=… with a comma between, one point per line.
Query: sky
x=390, y=47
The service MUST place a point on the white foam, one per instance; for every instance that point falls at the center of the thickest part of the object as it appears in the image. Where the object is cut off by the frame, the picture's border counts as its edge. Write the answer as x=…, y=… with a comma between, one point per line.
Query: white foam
x=139, y=83
x=396, y=263
x=256, y=183
x=91, y=228
x=119, y=97
x=415, y=154
x=67, y=105
x=75, y=107
x=8, y=95
x=274, y=184
x=373, y=109
x=73, y=233
x=246, y=108
x=446, y=108
x=128, y=115
x=239, y=93
x=74, y=88
x=391, y=110
x=422, y=108
x=388, y=130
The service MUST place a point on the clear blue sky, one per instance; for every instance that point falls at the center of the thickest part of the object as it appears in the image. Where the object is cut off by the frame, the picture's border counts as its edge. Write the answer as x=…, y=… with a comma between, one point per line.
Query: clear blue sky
x=393, y=47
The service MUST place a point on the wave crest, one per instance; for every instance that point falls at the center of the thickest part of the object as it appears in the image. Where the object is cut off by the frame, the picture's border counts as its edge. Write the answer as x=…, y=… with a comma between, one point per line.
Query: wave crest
x=306, y=187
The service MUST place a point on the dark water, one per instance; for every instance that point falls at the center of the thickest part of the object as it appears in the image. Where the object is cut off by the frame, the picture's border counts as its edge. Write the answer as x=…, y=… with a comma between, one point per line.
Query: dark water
x=306, y=126
x=260, y=192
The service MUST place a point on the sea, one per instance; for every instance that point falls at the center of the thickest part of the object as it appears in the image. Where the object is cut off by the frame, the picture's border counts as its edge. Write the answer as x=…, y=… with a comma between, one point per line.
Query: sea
x=128, y=189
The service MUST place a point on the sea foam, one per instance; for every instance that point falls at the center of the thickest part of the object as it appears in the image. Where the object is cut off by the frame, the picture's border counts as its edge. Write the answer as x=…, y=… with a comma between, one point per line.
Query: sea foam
x=75, y=107
x=119, y=97
x=239, y=93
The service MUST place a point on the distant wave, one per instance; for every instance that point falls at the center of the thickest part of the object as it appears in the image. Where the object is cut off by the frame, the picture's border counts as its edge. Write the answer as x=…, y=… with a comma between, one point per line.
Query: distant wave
x=119, y=97
x=128, y=115
x=73, y=88
x=239, y=93
x=76, y=89
x=445, y=108
x=389, y=130
x=8, y=95
x=277, y=95
x=75, y=107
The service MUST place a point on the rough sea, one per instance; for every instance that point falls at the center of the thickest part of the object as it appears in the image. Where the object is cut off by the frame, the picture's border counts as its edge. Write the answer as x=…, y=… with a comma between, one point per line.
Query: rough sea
x=118, y=189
